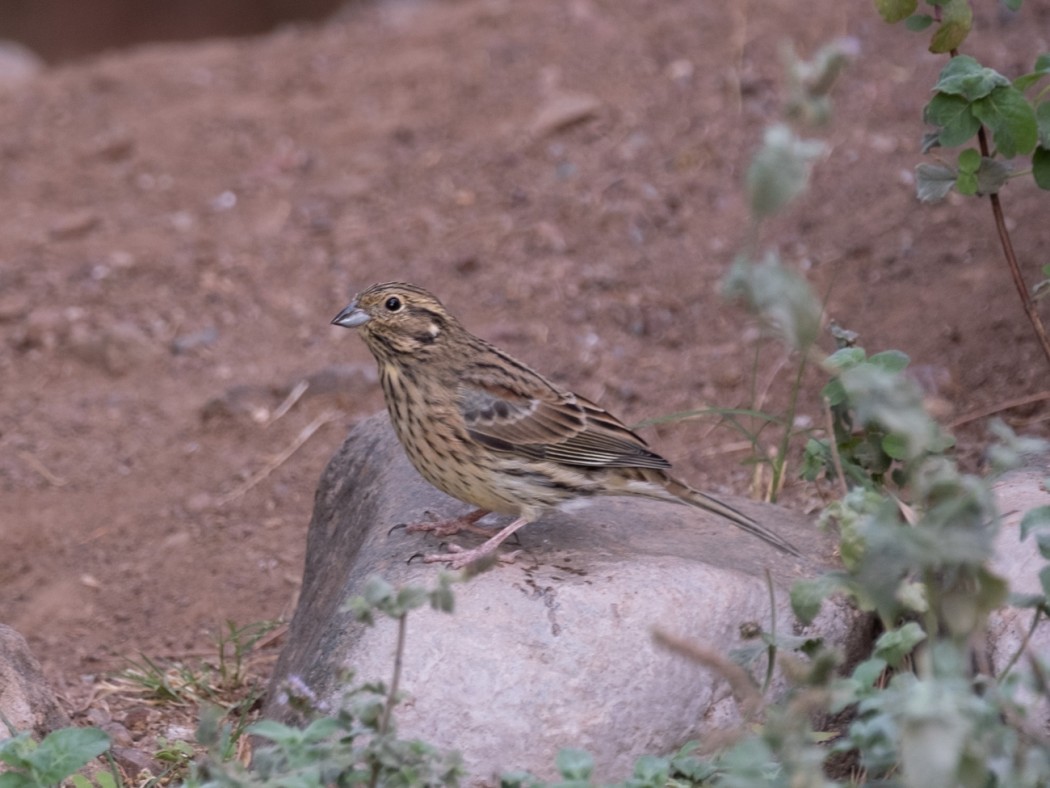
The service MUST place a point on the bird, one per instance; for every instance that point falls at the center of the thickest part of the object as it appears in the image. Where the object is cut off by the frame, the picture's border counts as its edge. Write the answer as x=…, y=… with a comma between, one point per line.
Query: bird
x=492, y=432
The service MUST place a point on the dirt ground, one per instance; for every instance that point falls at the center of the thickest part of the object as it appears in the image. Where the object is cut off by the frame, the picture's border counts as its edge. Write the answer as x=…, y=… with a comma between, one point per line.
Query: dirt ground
x=181, y=222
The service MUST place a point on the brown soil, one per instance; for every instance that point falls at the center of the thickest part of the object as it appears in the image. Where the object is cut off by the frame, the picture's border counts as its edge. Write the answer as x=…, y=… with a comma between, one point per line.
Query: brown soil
x=182, y=222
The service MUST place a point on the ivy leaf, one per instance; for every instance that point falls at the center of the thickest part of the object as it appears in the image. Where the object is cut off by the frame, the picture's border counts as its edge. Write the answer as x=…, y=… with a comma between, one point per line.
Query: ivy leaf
x=933, y=182
x=1011, y=118
x=954, y=116
x=964, y=76
x=956, y=21
x=893, y=11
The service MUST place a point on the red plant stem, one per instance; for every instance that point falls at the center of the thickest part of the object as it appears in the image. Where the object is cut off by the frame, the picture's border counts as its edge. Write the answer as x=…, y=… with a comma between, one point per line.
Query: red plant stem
x=1011, y=259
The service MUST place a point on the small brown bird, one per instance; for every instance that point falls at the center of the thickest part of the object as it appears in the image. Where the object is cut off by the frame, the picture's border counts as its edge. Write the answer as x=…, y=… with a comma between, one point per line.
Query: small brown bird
x=488, y=430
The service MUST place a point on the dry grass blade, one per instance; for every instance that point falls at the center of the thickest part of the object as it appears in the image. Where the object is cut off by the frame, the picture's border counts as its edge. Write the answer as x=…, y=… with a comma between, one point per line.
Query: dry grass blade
x=280, y=459
x=740, y=682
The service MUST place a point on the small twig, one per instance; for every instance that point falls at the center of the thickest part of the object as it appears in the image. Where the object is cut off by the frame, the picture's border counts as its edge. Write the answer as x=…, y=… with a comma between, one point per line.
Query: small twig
x=1020, y=649
x=34, y=462
x=998, y=408
x=833, y=445
x=270, y=638
x=726, y=448
x=395, y=681
x=280, y=459
x=293, y=396
x=1011, y=258
x=740, y=682
x=771, y=655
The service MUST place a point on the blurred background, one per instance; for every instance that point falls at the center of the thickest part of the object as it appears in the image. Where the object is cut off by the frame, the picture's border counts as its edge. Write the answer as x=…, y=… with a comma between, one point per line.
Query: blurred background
x=63, y=30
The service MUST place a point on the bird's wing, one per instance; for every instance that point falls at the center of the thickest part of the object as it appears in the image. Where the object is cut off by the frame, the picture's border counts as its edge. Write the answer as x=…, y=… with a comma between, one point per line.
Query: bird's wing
x=514, y=410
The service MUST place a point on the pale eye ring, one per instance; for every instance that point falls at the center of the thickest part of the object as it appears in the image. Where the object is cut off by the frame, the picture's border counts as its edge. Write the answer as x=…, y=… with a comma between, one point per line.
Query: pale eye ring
x=393, y=304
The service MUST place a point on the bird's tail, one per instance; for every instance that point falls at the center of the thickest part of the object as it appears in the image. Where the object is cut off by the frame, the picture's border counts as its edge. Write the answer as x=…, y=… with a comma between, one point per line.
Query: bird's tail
x=688, y=495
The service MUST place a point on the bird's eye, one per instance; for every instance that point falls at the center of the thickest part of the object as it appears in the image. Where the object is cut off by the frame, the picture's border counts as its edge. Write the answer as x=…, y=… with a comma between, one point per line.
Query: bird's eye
x=393, y=304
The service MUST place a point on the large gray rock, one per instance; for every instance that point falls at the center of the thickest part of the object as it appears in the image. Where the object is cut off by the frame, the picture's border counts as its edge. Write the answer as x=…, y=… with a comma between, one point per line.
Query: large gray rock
x=555, y=650
x=26, y=700
x=1019, y=562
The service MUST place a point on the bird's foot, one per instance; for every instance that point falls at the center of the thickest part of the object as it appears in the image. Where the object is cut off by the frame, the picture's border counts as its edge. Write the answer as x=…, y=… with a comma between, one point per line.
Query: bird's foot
x=452, y=526
x=458, y=558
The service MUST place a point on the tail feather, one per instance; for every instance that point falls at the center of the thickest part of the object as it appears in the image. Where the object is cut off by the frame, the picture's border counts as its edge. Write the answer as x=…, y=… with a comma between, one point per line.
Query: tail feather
x=688, y=495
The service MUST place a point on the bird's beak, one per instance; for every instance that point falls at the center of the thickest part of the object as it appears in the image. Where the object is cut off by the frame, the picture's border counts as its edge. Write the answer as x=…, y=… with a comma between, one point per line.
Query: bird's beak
x=351, y=317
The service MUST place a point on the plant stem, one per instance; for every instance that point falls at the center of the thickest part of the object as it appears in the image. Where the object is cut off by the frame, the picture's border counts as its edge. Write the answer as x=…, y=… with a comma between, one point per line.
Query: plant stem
x=391, y=699
x=1020, y=649
x=1011, y=259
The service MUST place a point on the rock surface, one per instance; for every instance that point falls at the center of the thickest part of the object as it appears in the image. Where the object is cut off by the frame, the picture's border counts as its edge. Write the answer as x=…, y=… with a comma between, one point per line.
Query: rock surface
x=26, y=700
x=555, y=650
x=1019, y=563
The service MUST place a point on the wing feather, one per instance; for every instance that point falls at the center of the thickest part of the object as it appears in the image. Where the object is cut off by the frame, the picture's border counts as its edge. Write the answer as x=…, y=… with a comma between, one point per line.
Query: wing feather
x=511, y=409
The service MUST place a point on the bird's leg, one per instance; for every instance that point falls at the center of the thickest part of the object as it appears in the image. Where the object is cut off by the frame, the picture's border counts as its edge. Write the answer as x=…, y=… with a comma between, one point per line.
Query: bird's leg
x=457, y=557
x=454, y=525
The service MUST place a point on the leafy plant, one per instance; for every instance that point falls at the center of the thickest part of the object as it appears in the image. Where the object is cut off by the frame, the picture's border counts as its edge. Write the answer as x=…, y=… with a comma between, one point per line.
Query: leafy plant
x=32, y=764
x=971, y=100
x=355, y=744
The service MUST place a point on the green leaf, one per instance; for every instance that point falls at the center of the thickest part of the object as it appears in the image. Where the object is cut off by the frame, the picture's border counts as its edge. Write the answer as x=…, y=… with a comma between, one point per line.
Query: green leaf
x=918, y=22
x=956, y=21
x=992, y=175
x=780, y=170
x=844, y=358
x=66, y=750
x=807, y=596
x=833, y=392
x=1035, y=519
x=891, y=360
x=969, y=160
x=893, y=11
x=15, y=750
x=966, y=184
x=896, y=446
x=17, y=780
x=1041, y=167
x=1042, y=68
x=895, y=645
x=1044, y=580
x=1026, y=601
x=574, y=764
x=955, y=118
x=652, y=770
x=410, y=597
x=933, y=182
x=964, y=76
x=1011, y=118
x=1013, y=5
x=867, y=672
x=778, y=295
x=1042, y=123
x=1038, y=520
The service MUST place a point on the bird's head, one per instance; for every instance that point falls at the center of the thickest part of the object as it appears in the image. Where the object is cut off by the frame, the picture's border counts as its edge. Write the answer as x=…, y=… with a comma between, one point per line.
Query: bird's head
x=396, y=319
